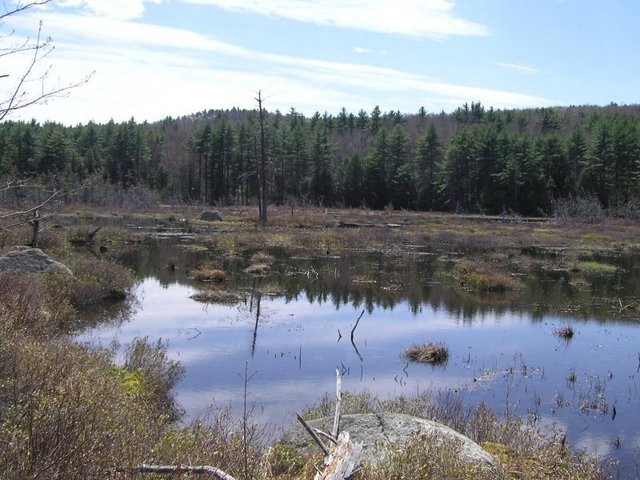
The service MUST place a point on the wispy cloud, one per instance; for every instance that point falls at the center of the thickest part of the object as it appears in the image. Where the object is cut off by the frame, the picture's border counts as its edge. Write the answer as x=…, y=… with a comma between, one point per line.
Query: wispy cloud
x=121, y=9
x=150, y=71
x=520, y=68
x=362, y=50
x=414, y=18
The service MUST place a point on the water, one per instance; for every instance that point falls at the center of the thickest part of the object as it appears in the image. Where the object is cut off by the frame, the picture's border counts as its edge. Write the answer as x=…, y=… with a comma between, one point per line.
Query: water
x=502, y=353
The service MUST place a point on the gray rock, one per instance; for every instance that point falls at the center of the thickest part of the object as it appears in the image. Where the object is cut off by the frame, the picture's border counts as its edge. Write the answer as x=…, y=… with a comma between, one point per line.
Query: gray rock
x=378, y=431
x=31, y=260
x=211, y=216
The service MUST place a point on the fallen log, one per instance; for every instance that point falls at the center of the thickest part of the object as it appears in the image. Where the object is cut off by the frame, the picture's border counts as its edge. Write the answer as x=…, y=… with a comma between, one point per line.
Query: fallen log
x=173, y=469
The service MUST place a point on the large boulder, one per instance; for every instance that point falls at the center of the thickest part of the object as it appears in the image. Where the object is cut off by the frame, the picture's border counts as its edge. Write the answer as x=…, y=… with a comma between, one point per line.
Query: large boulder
x=31, y=260
x=211, y=216
x=377, y=431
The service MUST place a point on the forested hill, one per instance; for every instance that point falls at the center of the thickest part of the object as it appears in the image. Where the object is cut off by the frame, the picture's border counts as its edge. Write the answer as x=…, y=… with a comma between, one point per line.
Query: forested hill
x=473, y=160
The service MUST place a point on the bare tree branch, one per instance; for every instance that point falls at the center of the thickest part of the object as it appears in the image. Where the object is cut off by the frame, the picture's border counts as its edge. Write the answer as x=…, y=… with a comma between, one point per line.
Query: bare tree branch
x=12, y=184
x=21, y=97
x=28, y=211
x=19, y=7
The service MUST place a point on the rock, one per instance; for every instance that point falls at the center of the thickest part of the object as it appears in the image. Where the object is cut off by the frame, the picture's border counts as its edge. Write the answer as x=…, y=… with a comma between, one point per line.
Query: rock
x=31, y=260
x=211, y=216
x=380, y=430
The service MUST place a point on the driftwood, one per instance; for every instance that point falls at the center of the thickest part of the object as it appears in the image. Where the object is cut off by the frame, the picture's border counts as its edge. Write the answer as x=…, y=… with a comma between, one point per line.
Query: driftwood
x=343, y=461
x=173, y=469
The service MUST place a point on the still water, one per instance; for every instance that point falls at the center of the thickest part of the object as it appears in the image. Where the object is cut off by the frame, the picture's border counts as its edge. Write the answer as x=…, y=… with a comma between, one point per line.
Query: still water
x=292, y=341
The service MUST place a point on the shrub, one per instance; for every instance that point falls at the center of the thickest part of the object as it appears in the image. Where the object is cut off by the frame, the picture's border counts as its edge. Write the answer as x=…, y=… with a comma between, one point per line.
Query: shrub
x=94, y=280
x=159, y=374
x=64, y=417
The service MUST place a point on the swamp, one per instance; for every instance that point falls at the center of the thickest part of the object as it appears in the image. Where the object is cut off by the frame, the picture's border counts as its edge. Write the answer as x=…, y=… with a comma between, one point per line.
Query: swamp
x=538, y=318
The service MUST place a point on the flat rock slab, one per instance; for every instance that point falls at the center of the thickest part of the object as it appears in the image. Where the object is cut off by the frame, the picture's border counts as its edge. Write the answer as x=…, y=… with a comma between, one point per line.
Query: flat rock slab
x=380, y=430
x=31, y=260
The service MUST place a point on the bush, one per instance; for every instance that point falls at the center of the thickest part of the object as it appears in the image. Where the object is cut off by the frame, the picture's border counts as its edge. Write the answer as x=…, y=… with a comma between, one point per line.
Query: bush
x=586, y=209
x=64, y=417
x=159, y=374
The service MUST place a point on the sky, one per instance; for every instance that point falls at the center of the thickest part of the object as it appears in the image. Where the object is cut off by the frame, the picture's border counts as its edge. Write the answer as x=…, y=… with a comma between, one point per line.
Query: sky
x=150, y=59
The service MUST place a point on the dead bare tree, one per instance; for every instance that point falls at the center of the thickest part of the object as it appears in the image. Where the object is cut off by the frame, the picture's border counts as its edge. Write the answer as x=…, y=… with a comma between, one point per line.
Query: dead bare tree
x=31, y=85
x=262, y=183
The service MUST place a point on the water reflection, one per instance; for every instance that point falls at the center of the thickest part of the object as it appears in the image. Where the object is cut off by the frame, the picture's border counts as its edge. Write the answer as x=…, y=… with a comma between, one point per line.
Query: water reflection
x=502, y=352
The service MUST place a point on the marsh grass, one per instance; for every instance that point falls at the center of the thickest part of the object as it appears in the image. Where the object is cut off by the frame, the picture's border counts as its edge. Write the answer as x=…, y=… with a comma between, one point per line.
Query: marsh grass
x=433, y=353
x=262, y=257
x=482, y=277
x=207, y=273
x=596, y=267
x=216, y=295
x=566, y=332
x=258, y=269
x=424, y=457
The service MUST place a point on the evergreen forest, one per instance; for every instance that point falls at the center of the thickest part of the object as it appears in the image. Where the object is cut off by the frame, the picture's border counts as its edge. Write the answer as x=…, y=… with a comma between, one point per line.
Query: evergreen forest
x=475, y=159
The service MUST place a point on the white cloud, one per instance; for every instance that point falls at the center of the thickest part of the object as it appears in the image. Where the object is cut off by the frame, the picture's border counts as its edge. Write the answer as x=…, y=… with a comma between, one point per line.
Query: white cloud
x=415, y=18
x=520, y=67
x=150, y=72
x=362, y=50
x=119, y=9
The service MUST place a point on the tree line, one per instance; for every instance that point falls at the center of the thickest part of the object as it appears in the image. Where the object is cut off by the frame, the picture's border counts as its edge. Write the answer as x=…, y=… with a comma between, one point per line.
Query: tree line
x=472, y=160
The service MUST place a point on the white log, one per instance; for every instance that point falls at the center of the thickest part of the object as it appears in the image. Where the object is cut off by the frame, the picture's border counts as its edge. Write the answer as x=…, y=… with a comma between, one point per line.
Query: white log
x=173, y=469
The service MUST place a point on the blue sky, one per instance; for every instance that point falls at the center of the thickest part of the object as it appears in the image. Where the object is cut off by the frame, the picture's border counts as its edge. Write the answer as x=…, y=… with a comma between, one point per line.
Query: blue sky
x=158, y=58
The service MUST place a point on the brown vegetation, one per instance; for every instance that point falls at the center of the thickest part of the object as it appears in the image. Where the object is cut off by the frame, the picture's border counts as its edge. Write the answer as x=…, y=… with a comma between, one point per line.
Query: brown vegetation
x=565, y=332
x=433, y=353
x=481, y=277
x=216, y=295
x=208, y=274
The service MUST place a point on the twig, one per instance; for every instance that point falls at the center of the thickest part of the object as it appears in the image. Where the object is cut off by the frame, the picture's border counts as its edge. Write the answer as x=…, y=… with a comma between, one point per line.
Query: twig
x=326, y=435
x=313, y=434
x=32, y=209
x=171, y=469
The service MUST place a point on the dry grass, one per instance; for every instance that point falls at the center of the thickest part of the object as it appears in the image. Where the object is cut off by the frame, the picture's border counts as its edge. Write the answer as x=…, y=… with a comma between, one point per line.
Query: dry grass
x=261, y=257
x=433, y=353
x=481, y=277
x=565, y=332
x=258, y=269
x=216, y=295
x=209, y=274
